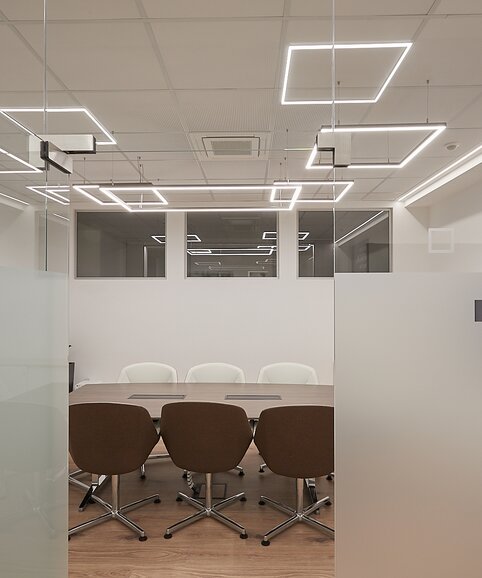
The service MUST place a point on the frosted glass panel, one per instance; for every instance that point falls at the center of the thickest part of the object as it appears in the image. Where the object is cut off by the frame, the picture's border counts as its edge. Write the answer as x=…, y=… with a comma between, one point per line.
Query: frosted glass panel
x=33, y=424
x=409, y=429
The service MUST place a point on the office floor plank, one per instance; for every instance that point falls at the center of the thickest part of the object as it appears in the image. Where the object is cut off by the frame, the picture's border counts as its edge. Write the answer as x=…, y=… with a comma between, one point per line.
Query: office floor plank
x=207, y=548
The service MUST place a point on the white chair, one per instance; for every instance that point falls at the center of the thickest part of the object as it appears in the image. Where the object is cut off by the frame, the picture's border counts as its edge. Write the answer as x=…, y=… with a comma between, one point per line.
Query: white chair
x=288, y=372
x=215, y=373
x=148, y=372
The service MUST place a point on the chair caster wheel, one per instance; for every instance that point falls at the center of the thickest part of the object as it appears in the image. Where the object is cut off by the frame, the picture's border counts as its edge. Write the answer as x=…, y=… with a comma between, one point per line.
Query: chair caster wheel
x=241, y=473
x=243, y=536
x=329, y=478
x=328, y=503
x=242, y=499
x=157, y=501
x=261, y=470
x=184, y=475
x=178, y=499
x=261, y=502
x=265, y=542
x=142, y=538
x=143, y=477
x=167, y=536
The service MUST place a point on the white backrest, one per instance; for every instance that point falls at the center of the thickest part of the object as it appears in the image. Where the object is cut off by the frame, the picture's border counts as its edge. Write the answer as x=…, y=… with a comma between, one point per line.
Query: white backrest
x=148, y=372
x=288, y=373
x=215, y=373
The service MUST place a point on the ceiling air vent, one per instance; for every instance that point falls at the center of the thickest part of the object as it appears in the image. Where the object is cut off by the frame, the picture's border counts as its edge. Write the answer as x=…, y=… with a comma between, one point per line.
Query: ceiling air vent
x=230, y=147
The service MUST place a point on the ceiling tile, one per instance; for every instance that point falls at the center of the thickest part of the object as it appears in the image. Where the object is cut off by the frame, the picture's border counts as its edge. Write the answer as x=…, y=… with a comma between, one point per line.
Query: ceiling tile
x=98, y=55
x=19, y=68
x=234, y=170
x=359, y=7
x=352, y=30
x=133, y=111
x=233, y=54
x=213, y=8
x=225, y=110
x=172, y=171
x=396, y=185
x=68, y=10
x=447, y=53
x=459, y=7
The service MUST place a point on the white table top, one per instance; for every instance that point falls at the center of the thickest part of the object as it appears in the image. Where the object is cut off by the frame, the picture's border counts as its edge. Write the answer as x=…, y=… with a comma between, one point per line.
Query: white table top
x=145, y=394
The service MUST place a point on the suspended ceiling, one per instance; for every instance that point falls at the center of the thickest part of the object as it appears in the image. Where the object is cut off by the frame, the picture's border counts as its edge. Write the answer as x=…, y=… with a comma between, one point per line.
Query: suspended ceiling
x=165, y=76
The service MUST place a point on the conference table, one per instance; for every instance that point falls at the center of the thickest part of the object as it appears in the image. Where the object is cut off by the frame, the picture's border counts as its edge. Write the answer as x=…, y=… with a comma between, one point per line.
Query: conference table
x=252, y=397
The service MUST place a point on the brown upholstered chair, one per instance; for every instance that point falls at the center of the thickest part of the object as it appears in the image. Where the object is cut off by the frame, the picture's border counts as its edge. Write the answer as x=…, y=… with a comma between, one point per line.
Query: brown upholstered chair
x=297, y=442
x=206, y=438
x=111, y=439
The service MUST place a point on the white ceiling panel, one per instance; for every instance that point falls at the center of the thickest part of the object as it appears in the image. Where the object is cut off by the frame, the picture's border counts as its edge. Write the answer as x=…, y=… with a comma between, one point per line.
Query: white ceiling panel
x=213, y=8
x=409, y=104
x=459, y=7
x=382, y=196
x=447, y=53
x=19, y=68
x=104, y=171
x=359, y=7
x=470, y=116
x=234, y=170
x=134, y=111
x=225, y=110
x=165, y=142
x=69, y=9
x=99, y=56
x=35, y=99
x=172, y=172
x=396, y=185
x=232, y=54
x=364, y=186
x=356, y=30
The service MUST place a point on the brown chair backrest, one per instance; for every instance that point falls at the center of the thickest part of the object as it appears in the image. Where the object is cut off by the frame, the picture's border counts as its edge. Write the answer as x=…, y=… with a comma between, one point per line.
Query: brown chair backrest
x=205, y=437
x=297, y=441
x=110, y=438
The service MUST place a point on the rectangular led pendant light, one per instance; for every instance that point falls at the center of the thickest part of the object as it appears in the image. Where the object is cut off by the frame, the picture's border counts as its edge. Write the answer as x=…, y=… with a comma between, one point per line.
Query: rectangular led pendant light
x=52, y=192
x=434, y=130
x=358, y=46
x=10, y=113
x=347, y=185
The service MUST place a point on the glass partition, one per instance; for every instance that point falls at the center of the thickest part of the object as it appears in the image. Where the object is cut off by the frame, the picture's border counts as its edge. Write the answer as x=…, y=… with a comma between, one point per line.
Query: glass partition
x=232, y=244
x=33, y=313
x=120, y=244
x=407, y=340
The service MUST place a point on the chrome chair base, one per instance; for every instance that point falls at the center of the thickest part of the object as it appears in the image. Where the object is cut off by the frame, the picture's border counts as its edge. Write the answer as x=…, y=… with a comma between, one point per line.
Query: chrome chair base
x=299, y=514
x=116, y=512
x=208, y=510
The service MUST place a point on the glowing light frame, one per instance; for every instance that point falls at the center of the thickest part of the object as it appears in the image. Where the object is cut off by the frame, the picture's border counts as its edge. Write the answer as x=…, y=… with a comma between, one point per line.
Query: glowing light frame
x=83, y=189
x=21, y=161
x=358, y=46
x=52, y=192
x=348, y=186
x=6, y=113
x=435, y=130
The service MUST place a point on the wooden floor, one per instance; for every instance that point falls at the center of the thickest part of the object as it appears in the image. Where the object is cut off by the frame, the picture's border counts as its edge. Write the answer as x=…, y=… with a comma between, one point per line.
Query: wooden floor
x=207, y=548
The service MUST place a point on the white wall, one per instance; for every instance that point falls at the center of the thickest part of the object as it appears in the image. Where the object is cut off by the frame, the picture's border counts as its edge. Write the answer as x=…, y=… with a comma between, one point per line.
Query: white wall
x=249, y=322
x=461, y=212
